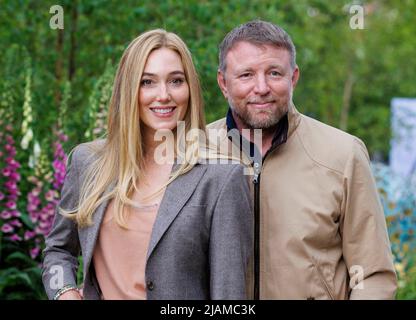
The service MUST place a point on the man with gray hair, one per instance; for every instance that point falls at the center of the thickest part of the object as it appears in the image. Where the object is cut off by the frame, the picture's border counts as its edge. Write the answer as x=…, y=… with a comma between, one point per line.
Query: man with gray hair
x=320, y=230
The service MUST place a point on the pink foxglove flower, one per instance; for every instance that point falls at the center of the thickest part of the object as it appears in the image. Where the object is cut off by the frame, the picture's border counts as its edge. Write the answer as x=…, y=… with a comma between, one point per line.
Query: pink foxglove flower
x=7, y=228
x=34, y=252
x=15, y=237
x=29, y=235
x=5, y=215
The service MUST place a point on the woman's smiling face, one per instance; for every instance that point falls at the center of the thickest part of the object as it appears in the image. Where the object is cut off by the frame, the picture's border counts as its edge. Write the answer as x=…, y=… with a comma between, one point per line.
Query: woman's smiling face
x=164, y=91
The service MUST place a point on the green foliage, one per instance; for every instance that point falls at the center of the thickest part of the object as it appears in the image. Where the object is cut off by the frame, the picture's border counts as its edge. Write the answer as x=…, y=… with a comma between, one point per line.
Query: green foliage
x=98, y=104
x=407, y=280
x=379, y=58
x=20, y=276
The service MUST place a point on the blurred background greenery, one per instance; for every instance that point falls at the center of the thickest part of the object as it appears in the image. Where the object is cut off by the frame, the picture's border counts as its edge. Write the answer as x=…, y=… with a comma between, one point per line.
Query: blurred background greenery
x=348, y=76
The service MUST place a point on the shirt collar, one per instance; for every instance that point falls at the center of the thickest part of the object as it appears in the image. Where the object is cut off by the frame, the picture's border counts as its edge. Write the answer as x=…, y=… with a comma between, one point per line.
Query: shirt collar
x=280, y=135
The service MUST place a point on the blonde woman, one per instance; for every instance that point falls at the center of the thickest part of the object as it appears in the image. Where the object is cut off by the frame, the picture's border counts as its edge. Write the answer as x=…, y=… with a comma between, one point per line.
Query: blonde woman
x=147, y=228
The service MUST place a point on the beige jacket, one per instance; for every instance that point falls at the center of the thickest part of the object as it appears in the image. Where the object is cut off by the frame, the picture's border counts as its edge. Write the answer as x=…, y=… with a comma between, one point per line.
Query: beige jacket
x=322, y=227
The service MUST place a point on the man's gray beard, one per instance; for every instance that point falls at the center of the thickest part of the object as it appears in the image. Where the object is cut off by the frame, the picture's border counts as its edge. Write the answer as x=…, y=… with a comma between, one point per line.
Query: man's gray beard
x=250, y=122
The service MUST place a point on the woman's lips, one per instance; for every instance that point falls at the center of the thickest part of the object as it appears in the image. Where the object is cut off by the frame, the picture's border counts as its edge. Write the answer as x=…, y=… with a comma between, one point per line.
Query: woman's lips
x=163, y=112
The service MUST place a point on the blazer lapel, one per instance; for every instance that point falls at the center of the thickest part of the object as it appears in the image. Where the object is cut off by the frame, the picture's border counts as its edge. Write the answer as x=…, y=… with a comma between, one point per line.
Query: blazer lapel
x=176, y=195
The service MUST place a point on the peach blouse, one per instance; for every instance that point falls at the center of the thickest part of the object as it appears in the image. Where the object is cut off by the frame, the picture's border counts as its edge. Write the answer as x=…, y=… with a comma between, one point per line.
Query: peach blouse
x=120, y=254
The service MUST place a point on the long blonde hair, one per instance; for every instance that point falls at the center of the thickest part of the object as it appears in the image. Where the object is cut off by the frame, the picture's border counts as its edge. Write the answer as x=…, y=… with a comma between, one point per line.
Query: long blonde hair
x=120, y=161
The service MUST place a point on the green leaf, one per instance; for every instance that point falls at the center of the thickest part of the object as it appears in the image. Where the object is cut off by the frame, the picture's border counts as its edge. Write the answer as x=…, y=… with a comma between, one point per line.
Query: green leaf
x=26, y=220
x=13, y=277
x=17, y=257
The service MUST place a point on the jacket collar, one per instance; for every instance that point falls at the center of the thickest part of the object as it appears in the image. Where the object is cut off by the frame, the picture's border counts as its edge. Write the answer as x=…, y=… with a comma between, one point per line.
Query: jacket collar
x=284, y=129
x=294, y=117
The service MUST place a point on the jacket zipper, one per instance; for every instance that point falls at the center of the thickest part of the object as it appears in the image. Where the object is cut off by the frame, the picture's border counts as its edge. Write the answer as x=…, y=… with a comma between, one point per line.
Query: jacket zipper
x=256, y=182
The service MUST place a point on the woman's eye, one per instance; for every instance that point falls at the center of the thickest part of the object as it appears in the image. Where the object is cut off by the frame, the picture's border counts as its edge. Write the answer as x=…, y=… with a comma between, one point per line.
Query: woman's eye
x=146, y=82
x=178, y=81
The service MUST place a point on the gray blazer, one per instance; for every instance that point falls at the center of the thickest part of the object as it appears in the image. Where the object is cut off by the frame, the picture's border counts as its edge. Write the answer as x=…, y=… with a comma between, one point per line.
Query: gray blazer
x=200, y=245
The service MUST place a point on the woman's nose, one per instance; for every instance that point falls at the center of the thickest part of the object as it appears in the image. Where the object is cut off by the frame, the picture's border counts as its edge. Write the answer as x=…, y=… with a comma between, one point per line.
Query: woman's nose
x=163, y=94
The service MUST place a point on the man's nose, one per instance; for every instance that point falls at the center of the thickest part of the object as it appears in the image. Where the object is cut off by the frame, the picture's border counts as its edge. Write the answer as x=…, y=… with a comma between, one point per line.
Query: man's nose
x=261, y=87
x=163, y=95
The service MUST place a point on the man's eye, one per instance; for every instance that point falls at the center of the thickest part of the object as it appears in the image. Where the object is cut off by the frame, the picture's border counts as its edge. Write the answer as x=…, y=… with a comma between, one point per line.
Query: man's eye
x=146, y=82
x=275, y=73
x=245, y=75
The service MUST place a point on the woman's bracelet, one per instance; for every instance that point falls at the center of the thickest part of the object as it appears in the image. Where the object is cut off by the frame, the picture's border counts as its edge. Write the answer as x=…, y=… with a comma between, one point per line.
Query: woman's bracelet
x=63, y=290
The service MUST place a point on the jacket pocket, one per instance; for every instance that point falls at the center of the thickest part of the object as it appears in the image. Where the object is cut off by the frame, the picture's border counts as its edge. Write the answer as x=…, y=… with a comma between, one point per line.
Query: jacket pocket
x=325, y=285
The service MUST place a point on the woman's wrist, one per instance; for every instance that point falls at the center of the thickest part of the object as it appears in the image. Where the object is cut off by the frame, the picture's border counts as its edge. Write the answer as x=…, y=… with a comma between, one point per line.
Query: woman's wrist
x=65, y=289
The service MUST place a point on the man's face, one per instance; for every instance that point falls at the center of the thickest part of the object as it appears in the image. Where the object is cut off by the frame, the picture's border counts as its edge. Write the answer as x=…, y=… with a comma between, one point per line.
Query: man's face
x=258, y=83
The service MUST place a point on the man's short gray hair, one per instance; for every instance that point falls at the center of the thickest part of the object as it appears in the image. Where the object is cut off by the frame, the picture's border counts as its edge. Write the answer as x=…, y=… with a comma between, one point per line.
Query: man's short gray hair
x=257, y=32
